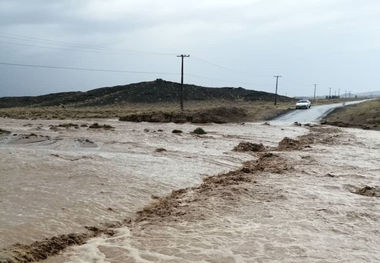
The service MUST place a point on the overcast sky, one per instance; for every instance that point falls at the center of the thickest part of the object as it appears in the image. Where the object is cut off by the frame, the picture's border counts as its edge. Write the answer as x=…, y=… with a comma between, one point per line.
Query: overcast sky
x=238, y=43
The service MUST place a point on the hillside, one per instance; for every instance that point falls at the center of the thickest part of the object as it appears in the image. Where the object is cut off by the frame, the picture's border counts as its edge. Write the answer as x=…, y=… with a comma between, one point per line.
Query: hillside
x=143, y=92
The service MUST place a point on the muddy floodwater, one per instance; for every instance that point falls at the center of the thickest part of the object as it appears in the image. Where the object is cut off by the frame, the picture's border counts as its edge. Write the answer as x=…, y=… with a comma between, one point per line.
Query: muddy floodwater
x=57, y=178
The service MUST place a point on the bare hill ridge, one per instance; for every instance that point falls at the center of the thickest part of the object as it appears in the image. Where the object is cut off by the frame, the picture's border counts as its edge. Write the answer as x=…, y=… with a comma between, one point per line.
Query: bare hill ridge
x=143, y=92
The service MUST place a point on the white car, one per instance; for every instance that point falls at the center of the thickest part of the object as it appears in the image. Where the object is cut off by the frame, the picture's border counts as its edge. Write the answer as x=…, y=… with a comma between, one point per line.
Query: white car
x=303, y=104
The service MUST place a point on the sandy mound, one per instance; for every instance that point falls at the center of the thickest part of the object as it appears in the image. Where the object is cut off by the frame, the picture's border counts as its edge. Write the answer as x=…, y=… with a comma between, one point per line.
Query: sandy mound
x=159, y=150
x=86, y=143
x=318, y=134
x=288, y=144
x=249, y=147
x=273, y=163
x=199, y=131
x=369, y=191
x=177, y=131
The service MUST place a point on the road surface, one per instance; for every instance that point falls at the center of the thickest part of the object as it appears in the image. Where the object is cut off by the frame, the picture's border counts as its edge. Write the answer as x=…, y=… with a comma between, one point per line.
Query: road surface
x=314, y=114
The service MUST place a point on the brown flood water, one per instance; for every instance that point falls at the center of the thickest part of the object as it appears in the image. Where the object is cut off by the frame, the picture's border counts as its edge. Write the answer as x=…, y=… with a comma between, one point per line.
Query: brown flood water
x=309, y=213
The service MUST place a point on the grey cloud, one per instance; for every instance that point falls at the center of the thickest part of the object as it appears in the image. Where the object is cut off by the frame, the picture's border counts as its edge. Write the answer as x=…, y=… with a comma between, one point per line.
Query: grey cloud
x=306, y=41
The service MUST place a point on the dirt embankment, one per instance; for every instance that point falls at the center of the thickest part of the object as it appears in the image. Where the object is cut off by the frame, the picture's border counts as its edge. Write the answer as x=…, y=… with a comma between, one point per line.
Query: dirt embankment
x=214, y=115
x=182, y=204
x=322, y=135
x=365, y=115
x=41, y=250
x=209, y=115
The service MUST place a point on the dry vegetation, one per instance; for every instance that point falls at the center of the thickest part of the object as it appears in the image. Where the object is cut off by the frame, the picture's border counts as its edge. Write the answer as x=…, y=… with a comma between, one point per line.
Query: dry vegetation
x=330, y=101
x=256, y=110
x=364, y=115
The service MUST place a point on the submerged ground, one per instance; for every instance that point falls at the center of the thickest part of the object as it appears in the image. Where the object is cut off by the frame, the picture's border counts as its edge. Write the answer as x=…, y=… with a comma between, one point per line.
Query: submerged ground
x=301, y=203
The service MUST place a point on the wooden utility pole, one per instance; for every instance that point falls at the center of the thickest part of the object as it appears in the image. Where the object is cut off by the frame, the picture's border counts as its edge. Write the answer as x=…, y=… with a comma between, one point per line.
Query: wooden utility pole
x=315, y=91
x=275, y=96
x=181, y=91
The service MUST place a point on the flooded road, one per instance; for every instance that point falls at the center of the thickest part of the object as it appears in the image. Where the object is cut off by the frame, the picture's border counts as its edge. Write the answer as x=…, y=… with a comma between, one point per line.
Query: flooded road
x=305, y=212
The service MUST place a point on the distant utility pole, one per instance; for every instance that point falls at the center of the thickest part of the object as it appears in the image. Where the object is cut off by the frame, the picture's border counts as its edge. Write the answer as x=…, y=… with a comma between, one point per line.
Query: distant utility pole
x=329, y=93
x=181, y=91
x=275, y=96
x=315, y=91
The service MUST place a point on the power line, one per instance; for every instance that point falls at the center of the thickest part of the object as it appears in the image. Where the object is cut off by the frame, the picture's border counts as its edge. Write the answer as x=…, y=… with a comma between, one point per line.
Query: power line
x=84, y=69
x=227, y=68
x=224, y=80
x=215, y=64
x=49, y=47
x=115, y=71
x=57, y=44
x=49, y=43
x=75, y=46
x=67, y=45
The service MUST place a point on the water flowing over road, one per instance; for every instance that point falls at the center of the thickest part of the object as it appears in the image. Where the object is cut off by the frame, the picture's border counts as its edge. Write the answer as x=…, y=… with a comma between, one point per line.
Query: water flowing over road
x=306, y=205
x=314, y=114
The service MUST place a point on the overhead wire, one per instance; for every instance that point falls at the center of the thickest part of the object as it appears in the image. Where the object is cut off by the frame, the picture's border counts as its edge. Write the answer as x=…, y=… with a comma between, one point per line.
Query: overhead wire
x=84, y=69
x=57, y=44
x=79, y=46
x=225, y=68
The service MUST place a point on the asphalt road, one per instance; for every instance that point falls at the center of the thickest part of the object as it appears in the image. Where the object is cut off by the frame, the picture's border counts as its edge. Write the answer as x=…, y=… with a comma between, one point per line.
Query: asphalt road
x=314, y=114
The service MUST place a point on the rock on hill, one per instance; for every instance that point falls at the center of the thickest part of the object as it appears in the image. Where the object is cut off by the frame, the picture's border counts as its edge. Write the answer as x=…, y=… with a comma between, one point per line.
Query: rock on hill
x=143, y=92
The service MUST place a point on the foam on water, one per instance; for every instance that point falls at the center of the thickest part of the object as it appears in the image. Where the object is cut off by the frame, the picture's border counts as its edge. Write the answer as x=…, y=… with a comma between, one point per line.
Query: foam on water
x=308, y=214
x=56, y=186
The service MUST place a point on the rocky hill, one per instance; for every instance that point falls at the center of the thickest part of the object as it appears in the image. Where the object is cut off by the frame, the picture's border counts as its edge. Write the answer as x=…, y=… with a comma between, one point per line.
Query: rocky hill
x=143, y=92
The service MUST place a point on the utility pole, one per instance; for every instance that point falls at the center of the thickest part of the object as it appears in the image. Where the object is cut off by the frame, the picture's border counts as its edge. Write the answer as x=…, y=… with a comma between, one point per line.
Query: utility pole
x=315, y=91
x=275, y=96
x=181, y=91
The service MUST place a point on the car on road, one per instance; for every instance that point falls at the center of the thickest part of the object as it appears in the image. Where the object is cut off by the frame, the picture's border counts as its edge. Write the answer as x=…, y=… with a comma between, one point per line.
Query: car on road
x=303, y=104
